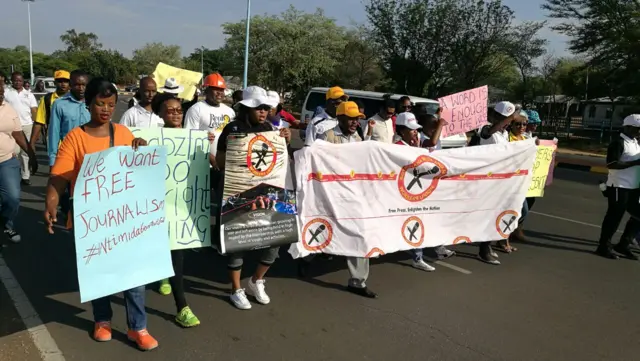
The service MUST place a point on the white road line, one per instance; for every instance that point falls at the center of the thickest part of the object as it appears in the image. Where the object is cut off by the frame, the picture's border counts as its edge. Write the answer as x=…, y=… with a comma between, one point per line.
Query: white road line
x=41, y=337
x=455, y=268
x=569, y=220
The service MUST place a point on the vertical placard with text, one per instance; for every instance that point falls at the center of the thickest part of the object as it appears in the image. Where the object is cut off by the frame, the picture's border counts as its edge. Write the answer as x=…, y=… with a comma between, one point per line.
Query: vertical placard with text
x=258, y=209
x=187, y=180
x=119, y=221
x=464, y=111
x=541, y=168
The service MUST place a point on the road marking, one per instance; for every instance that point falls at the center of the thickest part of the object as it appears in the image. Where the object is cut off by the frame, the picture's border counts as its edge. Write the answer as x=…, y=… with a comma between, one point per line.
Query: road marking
x=569, y=220
x=455, y=268
x=38, y=332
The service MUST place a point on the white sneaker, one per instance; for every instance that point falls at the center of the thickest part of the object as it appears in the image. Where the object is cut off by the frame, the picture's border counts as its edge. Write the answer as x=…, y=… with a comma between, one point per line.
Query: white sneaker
x=424, y=266
x=239, y=299
x=493, y=254
x=257, y=289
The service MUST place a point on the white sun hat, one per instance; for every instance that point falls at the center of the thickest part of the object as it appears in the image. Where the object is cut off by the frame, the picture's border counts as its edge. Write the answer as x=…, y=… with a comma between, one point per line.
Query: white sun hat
x=274, y=98
x=254, y=96
x=171, y=86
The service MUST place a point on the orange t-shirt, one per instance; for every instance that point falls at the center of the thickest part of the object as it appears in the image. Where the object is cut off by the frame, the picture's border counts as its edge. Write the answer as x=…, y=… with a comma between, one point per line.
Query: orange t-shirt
x=78, y=143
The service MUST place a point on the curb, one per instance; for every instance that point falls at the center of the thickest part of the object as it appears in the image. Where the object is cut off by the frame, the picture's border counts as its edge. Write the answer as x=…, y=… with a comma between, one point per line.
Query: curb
x=582, y=167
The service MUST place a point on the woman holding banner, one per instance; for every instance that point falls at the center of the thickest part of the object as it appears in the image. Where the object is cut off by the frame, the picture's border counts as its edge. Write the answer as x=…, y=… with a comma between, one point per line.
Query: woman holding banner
x=169, y=108
x=252, y=115
x=99, y=134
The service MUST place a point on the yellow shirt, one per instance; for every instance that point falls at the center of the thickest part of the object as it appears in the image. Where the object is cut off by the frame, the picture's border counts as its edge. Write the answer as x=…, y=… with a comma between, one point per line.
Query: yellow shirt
x=41, y=115
x=515, y=138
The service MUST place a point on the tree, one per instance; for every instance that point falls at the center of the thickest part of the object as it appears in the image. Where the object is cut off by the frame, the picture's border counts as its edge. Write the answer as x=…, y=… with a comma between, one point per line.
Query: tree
x=525, y=47
x=111, y=65
x=289, y=52
x=436, y=47
x=147, y=58
x=215, y=60
x=607, y=32
x=82, y=42
x=359, y=66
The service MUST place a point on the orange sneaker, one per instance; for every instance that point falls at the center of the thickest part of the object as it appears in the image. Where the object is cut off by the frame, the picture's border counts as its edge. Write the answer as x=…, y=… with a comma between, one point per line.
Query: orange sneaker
x=143, y=339
x=102, y=331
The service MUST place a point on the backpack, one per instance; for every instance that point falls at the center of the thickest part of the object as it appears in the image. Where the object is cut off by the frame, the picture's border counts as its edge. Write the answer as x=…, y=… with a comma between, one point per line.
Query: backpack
x=47, y=107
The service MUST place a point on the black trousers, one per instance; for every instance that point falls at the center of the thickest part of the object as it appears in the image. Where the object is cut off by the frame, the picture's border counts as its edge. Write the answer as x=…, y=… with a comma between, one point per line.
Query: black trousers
x=620, y=201
x=177, y=281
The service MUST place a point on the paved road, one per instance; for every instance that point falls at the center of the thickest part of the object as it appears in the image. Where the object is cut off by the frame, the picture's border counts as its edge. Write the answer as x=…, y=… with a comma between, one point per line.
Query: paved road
x=553, y=300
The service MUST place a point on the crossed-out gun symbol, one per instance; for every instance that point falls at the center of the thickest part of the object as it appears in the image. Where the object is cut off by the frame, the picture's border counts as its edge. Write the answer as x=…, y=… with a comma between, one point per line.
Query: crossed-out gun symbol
x=417, y=176
x=262, y=153
x=412, y=231
x=508, y=224
x=316, y=233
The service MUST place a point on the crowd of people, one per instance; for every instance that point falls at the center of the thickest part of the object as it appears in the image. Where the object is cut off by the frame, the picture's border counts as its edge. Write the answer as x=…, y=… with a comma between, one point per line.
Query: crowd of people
x=77, y=119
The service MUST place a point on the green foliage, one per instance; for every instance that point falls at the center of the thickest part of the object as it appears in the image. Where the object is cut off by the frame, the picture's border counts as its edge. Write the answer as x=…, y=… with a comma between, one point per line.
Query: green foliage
x=147, y=58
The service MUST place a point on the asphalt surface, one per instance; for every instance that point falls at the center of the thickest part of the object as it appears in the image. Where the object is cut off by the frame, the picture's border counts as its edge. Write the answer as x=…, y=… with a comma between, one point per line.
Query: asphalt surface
x=552, y=300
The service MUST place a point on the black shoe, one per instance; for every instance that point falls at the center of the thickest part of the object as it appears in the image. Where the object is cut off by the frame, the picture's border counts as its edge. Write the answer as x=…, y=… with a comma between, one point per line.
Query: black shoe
x=606, y=253
x=626, y=252
x=26, y=182
x=303, y=268
x=364, y=292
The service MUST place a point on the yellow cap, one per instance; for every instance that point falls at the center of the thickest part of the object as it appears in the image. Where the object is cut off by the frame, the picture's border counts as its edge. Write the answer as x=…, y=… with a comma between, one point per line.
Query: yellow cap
x=349, y=109
x=61, y=74
x=336, y=93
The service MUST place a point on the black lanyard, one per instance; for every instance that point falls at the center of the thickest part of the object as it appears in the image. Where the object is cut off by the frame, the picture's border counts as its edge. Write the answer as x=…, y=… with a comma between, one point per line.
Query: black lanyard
x=111, y=133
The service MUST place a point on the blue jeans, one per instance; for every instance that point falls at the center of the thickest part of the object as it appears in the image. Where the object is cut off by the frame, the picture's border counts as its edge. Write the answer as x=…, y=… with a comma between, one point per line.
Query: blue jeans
x=524, y=212
x=9, y=192
x=133, y=305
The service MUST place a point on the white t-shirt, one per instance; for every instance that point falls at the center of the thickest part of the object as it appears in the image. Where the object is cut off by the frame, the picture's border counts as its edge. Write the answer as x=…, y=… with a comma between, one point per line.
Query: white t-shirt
x=202, y=116
x=319, y=125
x=630, y=151
x=139, y=117
x=382, y=131
x=438, y=146
x=22, y=102
x=499, y=137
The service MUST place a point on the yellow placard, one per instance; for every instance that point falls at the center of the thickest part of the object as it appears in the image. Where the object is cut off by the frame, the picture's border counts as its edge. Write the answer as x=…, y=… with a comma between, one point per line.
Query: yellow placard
x=540, y=170
x=187, y=78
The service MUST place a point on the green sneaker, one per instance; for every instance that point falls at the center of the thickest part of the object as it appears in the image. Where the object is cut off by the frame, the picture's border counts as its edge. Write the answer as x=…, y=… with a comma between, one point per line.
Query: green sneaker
x=165, y=288
x=186, y=318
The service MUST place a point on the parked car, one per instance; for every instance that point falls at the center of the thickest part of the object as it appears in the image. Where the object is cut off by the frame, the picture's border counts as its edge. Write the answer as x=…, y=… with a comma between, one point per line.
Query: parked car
x=131, y=88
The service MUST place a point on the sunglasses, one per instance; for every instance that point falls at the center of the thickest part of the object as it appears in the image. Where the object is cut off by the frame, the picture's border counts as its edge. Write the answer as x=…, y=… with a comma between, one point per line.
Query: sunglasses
x=264, y=107
x=520, y=124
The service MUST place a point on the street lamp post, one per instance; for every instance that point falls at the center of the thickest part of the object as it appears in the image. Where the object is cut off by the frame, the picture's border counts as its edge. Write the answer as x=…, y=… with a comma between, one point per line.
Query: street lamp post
x=30, y=45
x=202, y=63
x=246, y=45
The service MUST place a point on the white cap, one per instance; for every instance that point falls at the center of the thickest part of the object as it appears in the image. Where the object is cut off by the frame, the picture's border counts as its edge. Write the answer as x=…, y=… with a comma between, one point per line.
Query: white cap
x=632, y=120
x=274, y=98
x=408, y=120
x=505, y=108
x=524, y=114
x=254, y=96
x=171, y=86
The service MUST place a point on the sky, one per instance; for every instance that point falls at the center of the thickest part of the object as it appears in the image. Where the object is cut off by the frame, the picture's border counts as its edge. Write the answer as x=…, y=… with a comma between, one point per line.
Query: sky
x=129, y=24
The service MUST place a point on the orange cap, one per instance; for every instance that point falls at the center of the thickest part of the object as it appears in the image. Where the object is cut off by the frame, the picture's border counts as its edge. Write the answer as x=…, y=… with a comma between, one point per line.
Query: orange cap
x=61, y=74
x=215, y=80
x=336, y=93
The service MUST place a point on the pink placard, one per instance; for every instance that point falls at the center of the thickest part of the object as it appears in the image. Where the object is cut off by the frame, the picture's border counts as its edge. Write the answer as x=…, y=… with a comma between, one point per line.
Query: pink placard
x=552, y=166
x=464, y=111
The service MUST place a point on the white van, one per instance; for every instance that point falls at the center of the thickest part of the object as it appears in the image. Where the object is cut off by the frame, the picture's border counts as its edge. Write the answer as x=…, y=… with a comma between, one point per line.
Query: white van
x=373, y=101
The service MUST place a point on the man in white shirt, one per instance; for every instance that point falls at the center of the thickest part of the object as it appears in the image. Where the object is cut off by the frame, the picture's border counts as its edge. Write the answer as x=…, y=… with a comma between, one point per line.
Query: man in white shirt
x=383, y=130
x=141, y=115
x=26, y=106
x=326, y=120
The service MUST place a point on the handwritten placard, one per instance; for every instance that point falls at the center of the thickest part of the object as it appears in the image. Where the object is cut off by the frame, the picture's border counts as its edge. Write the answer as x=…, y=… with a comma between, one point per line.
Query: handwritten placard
x=119, y=221
x=551, y=143
x=187, y=180
x=464, y=111
x=187, y=78
x=540, y=170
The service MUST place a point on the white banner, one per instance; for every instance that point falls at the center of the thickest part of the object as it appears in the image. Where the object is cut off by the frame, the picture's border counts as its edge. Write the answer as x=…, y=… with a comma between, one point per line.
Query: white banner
x=368, y=199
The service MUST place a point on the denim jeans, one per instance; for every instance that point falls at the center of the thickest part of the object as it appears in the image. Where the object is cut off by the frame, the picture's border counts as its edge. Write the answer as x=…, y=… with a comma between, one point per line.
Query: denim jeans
x=9, y=191
x=133, y=305
x=524, y=212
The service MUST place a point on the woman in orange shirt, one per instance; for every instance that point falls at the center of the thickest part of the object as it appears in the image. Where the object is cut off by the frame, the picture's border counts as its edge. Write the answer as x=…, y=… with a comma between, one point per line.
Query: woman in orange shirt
x=99, y=134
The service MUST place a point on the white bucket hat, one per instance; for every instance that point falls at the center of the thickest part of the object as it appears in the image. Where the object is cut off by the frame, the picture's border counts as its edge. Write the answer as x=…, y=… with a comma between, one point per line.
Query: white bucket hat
x=254, y=96
x=274, y=98
x=171, y=86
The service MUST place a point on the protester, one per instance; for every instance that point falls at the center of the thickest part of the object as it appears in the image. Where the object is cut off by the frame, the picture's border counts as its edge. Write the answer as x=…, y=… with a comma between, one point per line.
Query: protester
x=3, y=79
x=134, y=99
x=169, y=109
x=534, y=121
x=43, y=115
x=210, y=114
x=141, y=115
x=236, y=97
x=24, y=103
x=10, y=135
x=68, y=112
x=27, y=85
x=97, y=135
x=348, y=118
x=251, y=118
x=274, y=117
x=39, y=87
x=622, y=190
x=383, y=128
x=326, y=119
